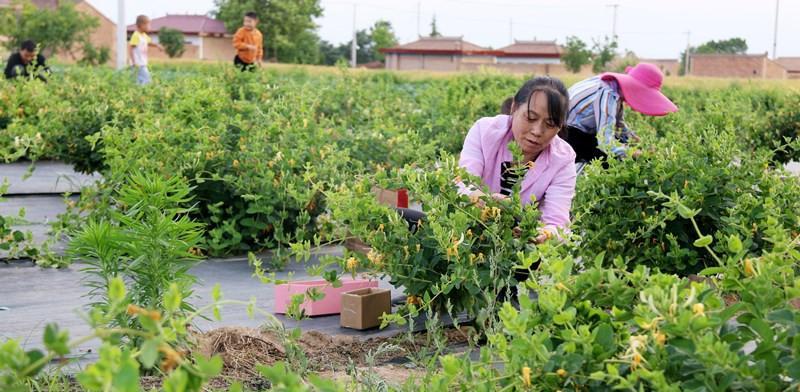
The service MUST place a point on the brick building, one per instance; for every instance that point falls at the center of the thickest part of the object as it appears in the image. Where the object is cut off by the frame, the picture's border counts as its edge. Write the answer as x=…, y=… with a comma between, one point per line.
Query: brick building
x=753, y=66
x=455, y=54
x=205, y=38
x=102, y=37
x=437, y=54
x=670, y=67
x=792, y=66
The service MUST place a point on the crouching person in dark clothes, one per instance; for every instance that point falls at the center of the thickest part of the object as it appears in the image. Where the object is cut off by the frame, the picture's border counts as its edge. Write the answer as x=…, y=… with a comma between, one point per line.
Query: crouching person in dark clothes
x=27, y=63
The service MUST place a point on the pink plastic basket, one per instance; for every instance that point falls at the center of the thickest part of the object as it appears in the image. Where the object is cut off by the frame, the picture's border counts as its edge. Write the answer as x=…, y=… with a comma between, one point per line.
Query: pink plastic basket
x=331, y=304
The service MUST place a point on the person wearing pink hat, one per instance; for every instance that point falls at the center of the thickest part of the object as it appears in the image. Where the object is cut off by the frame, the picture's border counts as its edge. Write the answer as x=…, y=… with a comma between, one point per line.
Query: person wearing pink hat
x=595, y=124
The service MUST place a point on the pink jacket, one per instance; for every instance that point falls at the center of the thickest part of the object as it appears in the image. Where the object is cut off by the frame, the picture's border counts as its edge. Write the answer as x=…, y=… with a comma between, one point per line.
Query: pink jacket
x=551, y=182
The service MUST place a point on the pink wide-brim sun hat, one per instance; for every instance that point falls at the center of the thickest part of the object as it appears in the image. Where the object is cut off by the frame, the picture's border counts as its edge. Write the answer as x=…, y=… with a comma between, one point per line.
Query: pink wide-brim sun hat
x=641, y=89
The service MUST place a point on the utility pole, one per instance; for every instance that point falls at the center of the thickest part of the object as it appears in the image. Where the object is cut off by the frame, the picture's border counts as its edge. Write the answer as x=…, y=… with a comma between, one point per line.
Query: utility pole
x=353, y=60
x=122, y=33
x=419, y=15
x=686, y=54
x=775, y=36
x=511, y=31
x=614, y=25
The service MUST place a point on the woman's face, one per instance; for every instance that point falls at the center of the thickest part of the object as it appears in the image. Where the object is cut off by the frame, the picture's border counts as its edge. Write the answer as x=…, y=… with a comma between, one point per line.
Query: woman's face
x=534, y=130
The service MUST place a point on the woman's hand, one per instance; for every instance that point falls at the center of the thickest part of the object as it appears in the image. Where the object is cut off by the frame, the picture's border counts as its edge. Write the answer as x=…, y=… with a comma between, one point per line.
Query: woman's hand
x=543, y=236
x=475, y=196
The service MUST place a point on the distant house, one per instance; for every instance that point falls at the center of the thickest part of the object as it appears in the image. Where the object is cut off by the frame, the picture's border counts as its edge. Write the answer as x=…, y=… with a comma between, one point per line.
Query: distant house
x=456, y=54
x=752, y=66
x=530, y=52
x=205, y=38
x=436, y=54
x=670, y=67
x=791, y=65
x=102, y=37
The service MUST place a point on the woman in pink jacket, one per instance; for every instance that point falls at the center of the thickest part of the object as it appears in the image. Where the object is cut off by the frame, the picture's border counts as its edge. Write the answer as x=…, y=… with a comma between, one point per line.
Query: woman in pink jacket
x=538, y=112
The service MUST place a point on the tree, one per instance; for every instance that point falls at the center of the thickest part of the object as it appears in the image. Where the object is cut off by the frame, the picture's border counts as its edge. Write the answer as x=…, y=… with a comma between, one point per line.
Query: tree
x=726, y=46
x=382, y=37
x=330, y=53
x=576, y=54
x=93, y=55
x=368, y=45
x=731, y=46
x=629, y=60
x=172, y=40
x=603, y=53
x=61, y=29
x=434, y=29
x=285, y=23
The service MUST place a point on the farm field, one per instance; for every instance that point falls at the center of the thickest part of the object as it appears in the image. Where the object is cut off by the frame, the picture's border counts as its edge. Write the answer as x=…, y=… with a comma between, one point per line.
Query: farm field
x=680, y=271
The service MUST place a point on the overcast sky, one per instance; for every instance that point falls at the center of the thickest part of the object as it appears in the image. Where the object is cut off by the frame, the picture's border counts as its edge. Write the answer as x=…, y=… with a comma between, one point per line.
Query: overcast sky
x=650, y=28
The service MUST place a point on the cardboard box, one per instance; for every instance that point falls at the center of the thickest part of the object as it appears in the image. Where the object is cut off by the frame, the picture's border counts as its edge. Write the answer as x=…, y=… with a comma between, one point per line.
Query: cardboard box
x=392, y=198
x=331, y=304
x=363, y=308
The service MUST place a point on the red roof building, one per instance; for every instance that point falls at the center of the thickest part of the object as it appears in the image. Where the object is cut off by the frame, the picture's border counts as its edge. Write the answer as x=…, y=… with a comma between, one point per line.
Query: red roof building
x=530, y=52
x=205, y=38
x=200, y=25
x=455, y=54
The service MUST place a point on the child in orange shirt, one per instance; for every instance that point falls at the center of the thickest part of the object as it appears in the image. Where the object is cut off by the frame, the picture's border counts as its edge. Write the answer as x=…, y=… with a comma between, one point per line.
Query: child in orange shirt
x=249, y=44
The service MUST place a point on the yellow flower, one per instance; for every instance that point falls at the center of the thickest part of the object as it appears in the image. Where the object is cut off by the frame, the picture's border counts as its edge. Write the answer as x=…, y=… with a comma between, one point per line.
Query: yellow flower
x=660, y=339
x=699, y=309
x=748, y=268
x=352, y=264
x=469, y=233
x=561, y=372
x=375, y=258
x=636, y=361
x=530, y=165
x=526, y=376
x=381, y=227
x=413, y=299
x=134, y=310
x=236, y=163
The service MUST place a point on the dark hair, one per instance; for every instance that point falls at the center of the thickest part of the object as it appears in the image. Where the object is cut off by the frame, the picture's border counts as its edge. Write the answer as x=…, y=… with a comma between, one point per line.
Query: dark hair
x=553, y=89
x=28, y=45
x=141, y=19
x=251, y=15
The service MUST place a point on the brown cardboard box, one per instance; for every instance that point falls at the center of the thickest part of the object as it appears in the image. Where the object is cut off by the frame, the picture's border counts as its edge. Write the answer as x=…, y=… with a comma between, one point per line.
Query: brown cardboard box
x=363, y=308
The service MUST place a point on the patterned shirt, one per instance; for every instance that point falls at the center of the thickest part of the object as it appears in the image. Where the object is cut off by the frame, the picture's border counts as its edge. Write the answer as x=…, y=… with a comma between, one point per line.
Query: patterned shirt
x=595, y=108
x=508, y=178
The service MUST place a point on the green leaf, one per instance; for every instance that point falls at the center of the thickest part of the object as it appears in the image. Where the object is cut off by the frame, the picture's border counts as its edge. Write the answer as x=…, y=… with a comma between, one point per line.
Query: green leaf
x=149, y=353
x=703, y=241
x=564, y=317
x=793, y=369
x=686, y=212
x=116, y=290
x=172, y=299
x=209, y=367
x=216, y=293
x=55, y=340
x=734, y=244
x=782, y=316
x=604, y=337
x=33, y=356
x=763, y=329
